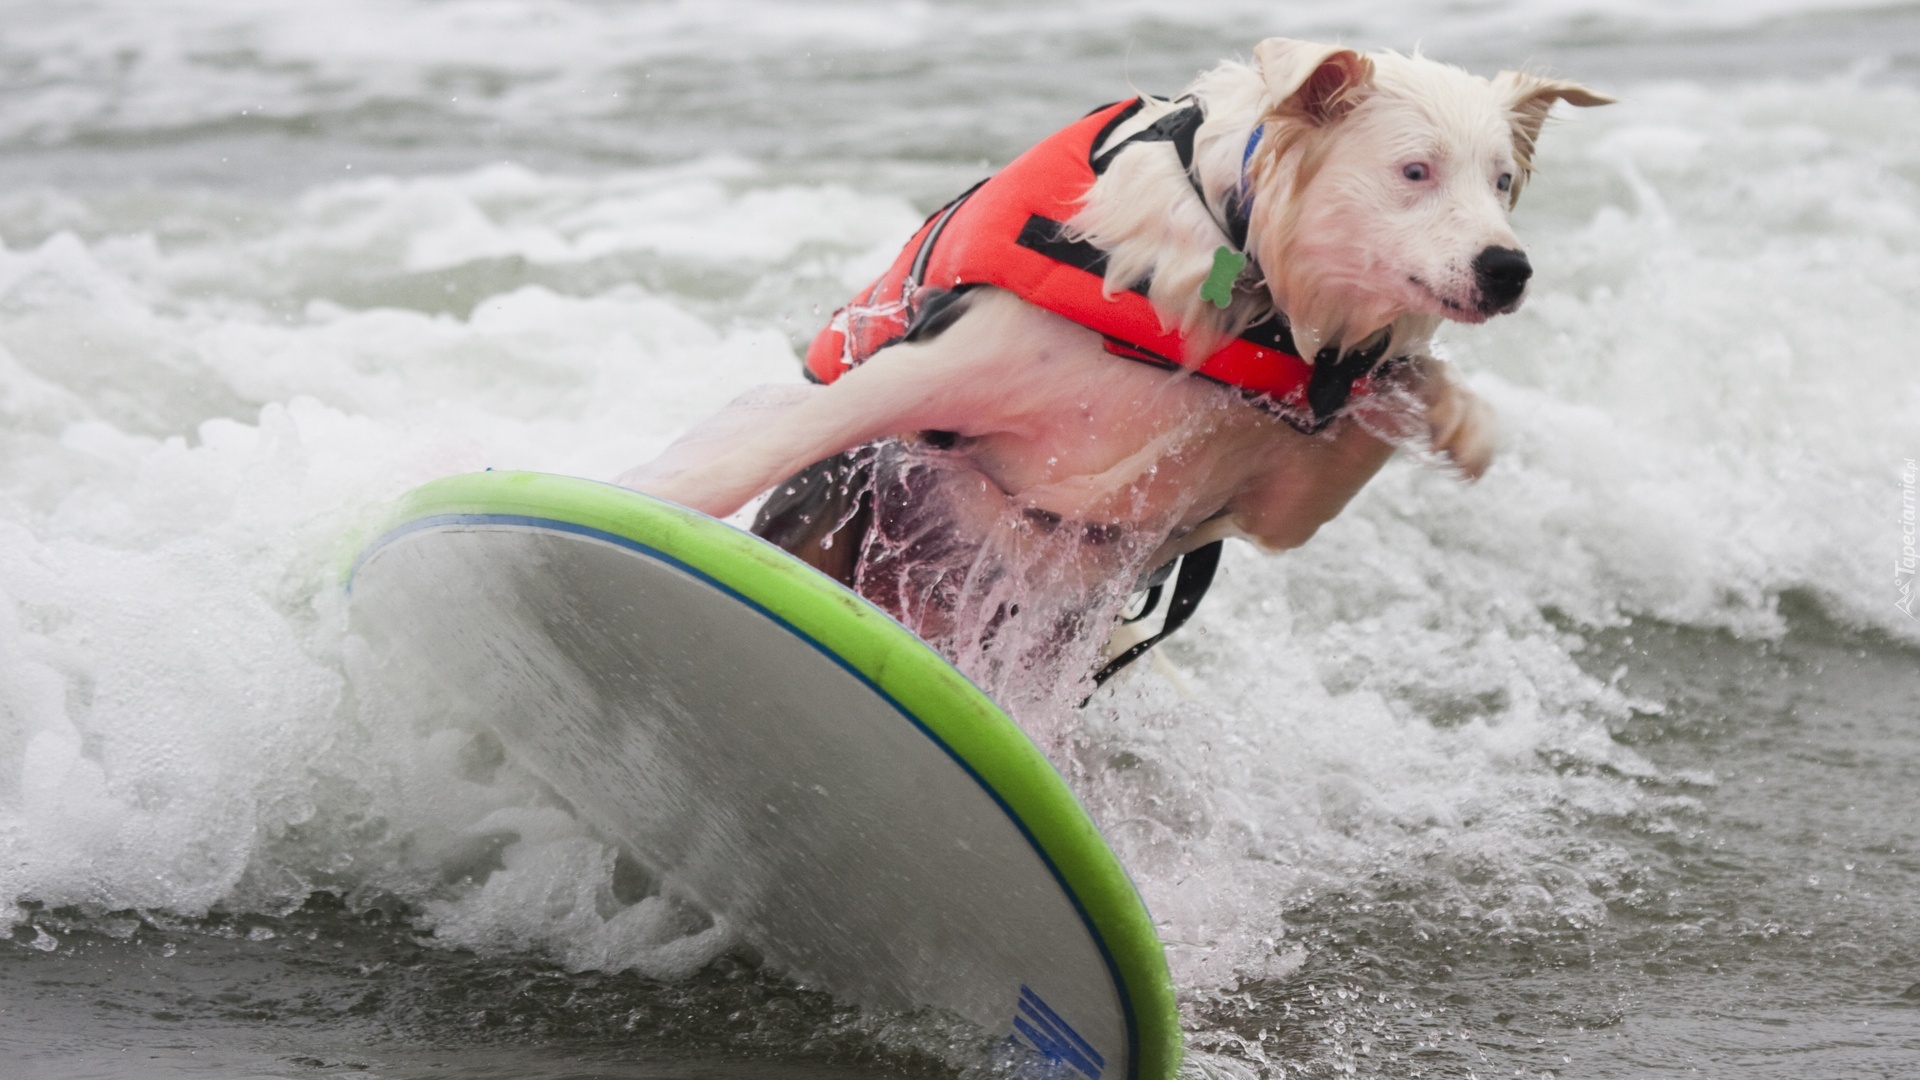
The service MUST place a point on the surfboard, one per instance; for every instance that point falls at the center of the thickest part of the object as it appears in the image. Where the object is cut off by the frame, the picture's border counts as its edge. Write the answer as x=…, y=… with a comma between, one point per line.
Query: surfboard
x=779, y=752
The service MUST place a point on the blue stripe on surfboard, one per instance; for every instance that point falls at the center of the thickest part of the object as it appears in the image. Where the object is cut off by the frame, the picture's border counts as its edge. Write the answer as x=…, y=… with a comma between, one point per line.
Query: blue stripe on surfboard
x=524, y=521
x=1054, y=1048
x=1054, y=1037
x=1036, y=1006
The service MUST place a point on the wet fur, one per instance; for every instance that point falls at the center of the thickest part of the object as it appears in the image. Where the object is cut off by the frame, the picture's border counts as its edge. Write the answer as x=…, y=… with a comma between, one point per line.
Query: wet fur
x=1320, y=105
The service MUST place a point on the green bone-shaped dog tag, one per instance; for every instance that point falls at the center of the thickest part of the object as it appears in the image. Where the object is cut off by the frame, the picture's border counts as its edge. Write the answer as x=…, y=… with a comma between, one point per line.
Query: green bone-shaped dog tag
x=1218, y=288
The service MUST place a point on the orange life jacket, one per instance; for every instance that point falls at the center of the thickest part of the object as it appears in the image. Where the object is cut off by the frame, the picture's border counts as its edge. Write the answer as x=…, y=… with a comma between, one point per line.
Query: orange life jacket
x=1007, y=232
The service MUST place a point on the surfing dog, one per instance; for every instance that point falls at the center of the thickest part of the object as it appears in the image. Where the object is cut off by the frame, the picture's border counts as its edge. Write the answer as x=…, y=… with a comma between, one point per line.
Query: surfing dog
x=1274, y=249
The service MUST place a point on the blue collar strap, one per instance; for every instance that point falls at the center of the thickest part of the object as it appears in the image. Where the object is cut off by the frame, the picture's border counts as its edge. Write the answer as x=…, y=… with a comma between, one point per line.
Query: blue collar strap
x=1240, y=211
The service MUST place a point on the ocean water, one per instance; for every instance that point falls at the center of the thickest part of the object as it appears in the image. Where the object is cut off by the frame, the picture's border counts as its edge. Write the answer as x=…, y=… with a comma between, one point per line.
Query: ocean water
x=1607, y=766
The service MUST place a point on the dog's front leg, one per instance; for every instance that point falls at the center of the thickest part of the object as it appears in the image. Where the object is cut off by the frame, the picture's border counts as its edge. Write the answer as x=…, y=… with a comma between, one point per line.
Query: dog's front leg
x=1308, y=480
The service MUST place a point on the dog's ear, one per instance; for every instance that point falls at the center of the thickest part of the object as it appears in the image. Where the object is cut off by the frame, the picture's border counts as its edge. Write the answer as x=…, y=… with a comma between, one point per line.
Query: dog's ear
x=1528, y=99
x=1321, y=83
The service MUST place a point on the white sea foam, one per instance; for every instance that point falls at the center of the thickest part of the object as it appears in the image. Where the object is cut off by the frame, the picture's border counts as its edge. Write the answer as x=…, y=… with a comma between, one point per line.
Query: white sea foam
x=176, y=733
x=1705, y=402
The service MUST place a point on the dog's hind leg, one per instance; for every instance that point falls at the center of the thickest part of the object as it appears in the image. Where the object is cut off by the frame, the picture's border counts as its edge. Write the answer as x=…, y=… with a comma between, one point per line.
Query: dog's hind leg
x=750, y=412
x=967, y=383
x=821, y=513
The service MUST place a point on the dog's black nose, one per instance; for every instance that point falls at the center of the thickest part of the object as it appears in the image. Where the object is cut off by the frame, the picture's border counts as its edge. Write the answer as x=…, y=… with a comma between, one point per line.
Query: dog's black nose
x=1502, y=275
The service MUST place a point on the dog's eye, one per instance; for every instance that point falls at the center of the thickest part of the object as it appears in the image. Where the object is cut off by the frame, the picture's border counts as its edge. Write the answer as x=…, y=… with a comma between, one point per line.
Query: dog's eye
x=1415, y=172
x=1505, y=183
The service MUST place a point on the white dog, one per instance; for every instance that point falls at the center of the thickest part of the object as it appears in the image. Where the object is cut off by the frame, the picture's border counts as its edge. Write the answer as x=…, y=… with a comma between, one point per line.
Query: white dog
x=1030, y=455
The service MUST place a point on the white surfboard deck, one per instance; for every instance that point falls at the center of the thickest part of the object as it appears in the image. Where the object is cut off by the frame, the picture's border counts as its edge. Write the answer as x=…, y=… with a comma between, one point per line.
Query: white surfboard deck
x=779, y=752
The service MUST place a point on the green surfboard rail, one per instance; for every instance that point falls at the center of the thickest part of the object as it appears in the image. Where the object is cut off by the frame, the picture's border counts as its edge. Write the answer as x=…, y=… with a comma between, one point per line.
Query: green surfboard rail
x=918, y=680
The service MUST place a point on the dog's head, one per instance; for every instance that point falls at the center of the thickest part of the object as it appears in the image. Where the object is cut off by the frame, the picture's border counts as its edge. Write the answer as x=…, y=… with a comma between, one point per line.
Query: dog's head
x=1384, y=184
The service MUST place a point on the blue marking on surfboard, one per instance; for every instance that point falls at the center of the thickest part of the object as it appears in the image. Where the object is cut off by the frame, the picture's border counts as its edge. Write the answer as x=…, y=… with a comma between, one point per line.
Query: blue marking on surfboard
x=1092, y=1069
x=1053, y=1037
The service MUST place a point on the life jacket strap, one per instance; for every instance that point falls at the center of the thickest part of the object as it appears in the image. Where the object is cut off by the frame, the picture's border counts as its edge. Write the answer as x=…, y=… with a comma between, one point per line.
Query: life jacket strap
x=917, y=273
x=1190, y=585
x=1179, y=127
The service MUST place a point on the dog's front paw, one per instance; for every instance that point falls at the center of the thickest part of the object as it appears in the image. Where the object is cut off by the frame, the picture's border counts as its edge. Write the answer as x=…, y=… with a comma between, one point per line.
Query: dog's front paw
x=1460, y=424
x=1463, y=429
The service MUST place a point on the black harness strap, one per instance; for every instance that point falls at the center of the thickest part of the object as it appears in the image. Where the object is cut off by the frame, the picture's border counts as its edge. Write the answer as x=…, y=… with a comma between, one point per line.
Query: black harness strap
x=1189, y=586
x=1334, y=375
x=1049, y=237
x=1179, y=128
